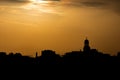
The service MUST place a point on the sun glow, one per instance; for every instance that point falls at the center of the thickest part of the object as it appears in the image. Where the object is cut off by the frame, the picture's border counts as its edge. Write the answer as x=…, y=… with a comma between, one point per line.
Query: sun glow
x=36, y=1
x=40, y=6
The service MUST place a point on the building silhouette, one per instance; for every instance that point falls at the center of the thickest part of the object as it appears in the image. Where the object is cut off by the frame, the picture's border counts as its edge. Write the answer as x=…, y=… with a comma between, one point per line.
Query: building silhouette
x=86, y=48
x=87, y=56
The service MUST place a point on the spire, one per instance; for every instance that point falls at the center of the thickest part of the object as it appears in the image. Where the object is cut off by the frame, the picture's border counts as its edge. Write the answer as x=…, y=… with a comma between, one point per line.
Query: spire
x=36, y=54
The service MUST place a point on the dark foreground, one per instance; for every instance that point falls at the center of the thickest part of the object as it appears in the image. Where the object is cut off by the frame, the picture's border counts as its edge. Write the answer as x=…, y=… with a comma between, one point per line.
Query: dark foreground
x=50, y=57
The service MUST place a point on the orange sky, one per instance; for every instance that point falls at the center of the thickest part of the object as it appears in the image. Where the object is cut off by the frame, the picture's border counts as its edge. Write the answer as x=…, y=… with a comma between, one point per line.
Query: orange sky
x=28, y=27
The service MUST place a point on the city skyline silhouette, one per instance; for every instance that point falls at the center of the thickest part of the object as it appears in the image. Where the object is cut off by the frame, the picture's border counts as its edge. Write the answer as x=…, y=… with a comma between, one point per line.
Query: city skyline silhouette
x=30, y=26
x=49, y=57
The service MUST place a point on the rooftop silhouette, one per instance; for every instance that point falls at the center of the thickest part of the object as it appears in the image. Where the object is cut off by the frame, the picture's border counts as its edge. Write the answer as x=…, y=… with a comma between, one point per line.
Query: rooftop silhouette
x=87, y=56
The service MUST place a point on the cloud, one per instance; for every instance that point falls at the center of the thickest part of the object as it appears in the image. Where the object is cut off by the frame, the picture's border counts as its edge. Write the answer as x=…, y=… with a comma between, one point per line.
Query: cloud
x=113, y=5
x=25, y=0
x=93, y=4
x=16, y=0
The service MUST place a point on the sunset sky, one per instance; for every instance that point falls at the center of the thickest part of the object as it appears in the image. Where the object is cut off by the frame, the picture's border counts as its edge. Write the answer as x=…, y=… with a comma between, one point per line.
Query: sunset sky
x=28, y=26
